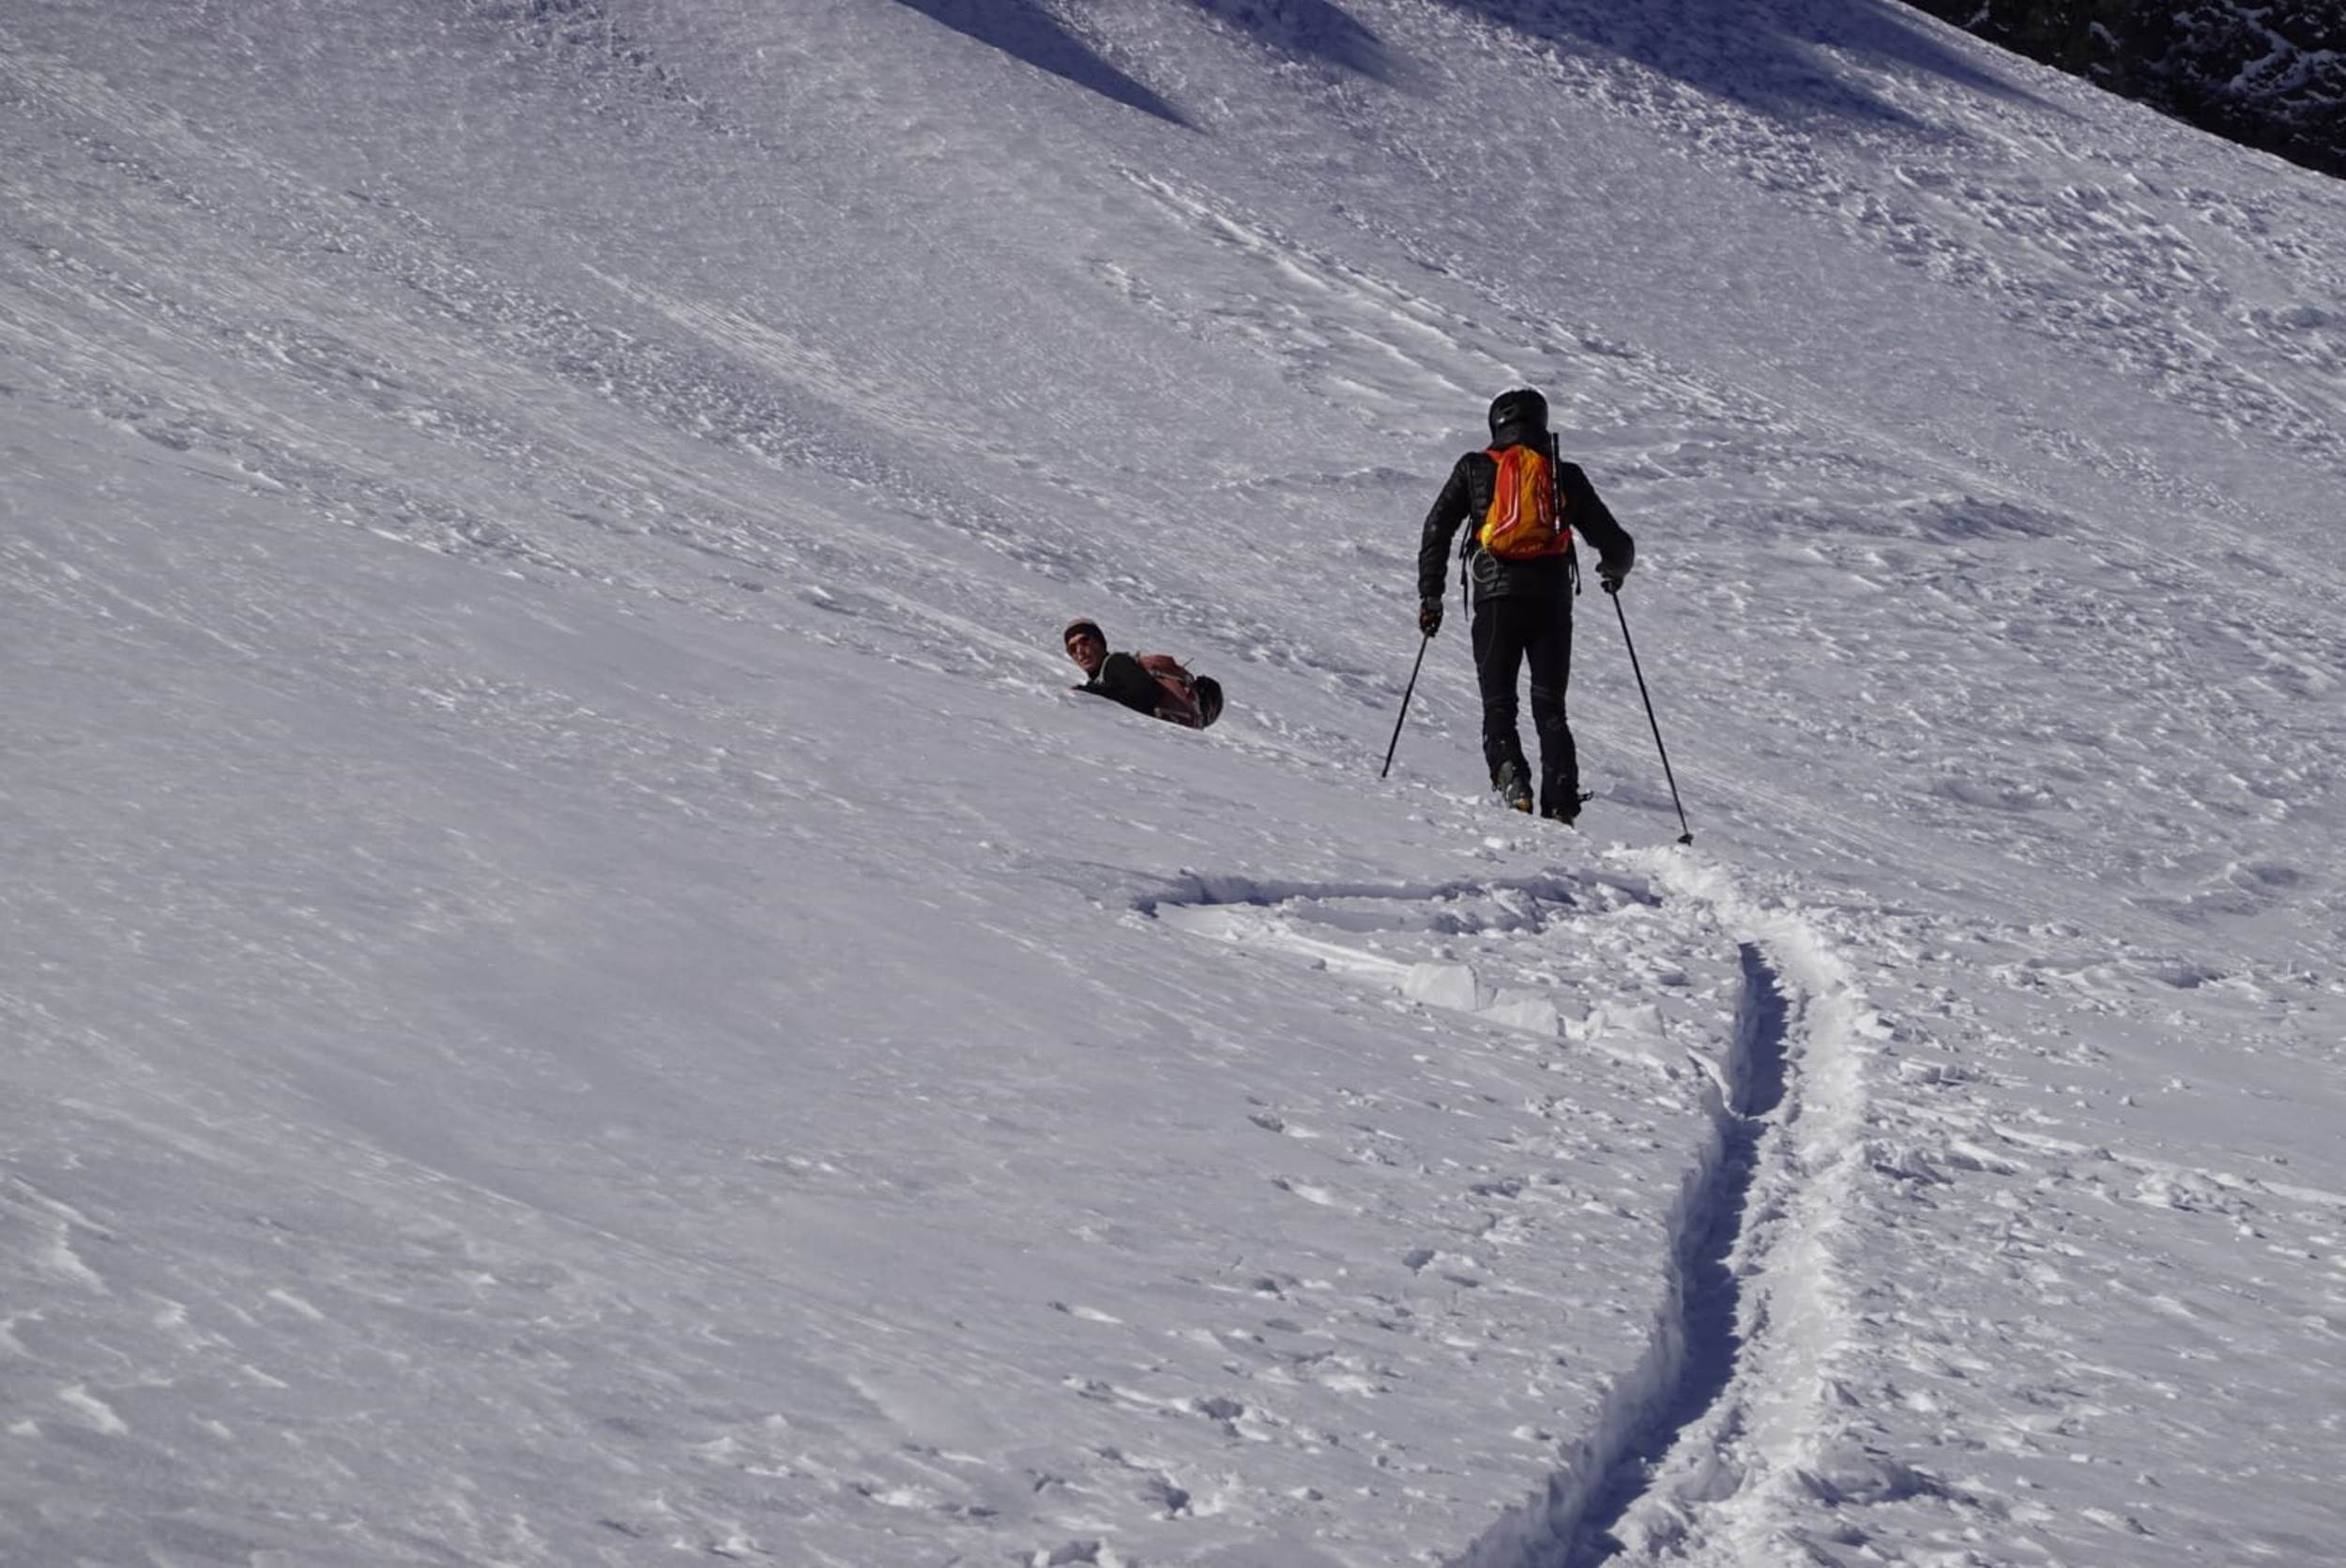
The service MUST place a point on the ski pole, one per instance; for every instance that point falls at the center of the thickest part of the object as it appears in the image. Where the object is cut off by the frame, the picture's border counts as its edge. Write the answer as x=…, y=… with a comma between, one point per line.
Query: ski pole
x=1405, y=704
x=1687, y=835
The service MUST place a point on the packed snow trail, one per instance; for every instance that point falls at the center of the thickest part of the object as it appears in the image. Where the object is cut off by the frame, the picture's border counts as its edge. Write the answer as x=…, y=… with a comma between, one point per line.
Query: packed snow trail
x=1722, y=1406
x=1711, y=1288
x=1720, y=1492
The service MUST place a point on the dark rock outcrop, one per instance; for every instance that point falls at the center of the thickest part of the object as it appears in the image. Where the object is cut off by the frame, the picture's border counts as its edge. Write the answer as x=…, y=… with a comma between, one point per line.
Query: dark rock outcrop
x=2269, y=73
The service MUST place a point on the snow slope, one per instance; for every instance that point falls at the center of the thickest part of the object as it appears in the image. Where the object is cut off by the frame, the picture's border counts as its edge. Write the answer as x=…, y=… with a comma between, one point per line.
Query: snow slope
x=577, y=989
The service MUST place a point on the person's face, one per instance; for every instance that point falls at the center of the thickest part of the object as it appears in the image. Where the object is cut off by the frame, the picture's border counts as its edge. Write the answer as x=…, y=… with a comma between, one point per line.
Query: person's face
x=1089, y=650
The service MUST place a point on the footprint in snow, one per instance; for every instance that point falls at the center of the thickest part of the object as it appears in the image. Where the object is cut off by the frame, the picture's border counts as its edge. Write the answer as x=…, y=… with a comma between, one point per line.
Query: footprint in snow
x=1304, y=1190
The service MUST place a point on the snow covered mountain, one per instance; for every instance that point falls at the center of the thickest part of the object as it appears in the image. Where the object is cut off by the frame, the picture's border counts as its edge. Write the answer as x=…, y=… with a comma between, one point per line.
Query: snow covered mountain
x=576, y=988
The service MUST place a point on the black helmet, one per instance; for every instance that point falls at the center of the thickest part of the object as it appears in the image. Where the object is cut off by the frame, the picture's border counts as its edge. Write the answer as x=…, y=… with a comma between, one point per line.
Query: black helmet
x=1518, y=415
x=1209, y=700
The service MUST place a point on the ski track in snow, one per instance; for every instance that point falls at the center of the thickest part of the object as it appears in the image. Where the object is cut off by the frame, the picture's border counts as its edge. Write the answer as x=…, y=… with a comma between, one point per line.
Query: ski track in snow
x=1722, y=1409
x=1774, y=1236
x=1751, y=1407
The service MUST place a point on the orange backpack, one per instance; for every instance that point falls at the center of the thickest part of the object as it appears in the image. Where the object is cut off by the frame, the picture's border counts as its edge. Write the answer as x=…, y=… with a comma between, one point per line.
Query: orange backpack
x=1526, y=517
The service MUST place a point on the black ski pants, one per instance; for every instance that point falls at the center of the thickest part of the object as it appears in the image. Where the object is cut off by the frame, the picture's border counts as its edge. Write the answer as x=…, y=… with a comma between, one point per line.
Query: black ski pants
x=1509, y=633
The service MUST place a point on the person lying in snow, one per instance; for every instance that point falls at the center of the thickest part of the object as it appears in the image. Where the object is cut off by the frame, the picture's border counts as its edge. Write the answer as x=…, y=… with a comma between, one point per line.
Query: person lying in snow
x=1150, y=683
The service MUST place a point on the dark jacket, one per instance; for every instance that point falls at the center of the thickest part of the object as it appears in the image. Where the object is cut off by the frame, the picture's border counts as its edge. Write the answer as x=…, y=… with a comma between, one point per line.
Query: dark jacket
x=1466, y=498
x=1122, y=679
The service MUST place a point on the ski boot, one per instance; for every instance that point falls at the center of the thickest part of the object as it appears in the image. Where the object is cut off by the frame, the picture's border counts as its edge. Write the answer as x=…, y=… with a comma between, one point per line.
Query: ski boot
x=1565, y=807
x=1513, y=784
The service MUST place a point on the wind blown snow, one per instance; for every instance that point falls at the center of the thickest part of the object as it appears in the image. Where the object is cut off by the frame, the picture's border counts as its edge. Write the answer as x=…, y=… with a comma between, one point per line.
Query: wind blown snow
x=576, y=987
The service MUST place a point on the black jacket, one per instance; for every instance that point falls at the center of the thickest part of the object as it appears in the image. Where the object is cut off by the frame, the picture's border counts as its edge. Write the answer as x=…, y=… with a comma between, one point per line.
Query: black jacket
x=1122, y=679
x=1467, y=499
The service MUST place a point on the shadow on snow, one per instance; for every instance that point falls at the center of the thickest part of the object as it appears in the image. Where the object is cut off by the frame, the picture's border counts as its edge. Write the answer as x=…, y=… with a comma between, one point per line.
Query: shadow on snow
x=1309, y=30
x=1025, y=30
x=1756, y=55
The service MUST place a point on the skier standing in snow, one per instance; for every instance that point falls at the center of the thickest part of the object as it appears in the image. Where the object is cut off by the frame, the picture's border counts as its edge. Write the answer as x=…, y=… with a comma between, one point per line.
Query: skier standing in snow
x=1147, y=683
x=1522, y=504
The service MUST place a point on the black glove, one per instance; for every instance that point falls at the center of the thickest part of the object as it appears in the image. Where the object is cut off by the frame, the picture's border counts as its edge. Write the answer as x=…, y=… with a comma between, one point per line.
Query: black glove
x=1429, y=616
x=1609, y=574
